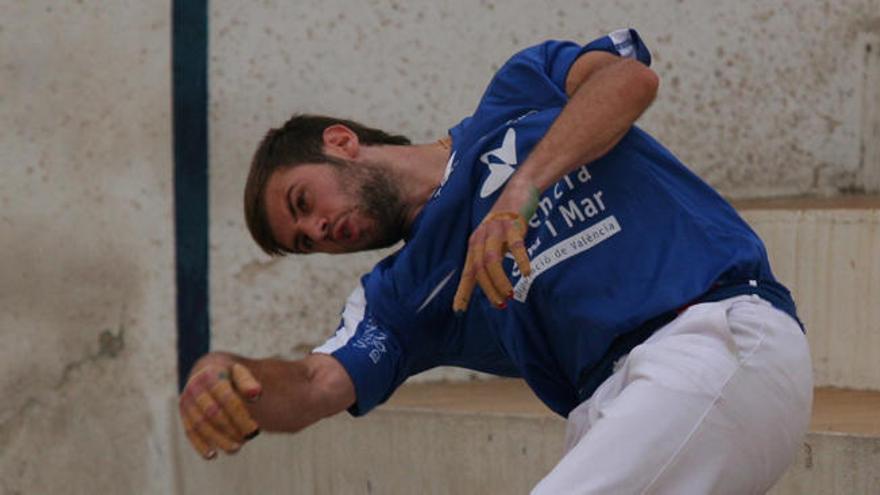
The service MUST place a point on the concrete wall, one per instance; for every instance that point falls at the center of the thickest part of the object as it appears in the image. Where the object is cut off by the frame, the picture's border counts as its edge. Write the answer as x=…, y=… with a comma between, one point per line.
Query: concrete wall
x=830, y=259
x=389, y=452
x=761, y=98
x=87, y=353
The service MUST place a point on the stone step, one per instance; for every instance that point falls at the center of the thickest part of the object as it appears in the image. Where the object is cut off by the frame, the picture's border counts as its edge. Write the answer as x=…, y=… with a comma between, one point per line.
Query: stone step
x=827, y=251
x=488, y=437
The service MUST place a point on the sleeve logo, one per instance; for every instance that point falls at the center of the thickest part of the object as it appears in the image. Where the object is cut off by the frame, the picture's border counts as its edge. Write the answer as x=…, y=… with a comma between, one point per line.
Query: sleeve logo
x=372, y=340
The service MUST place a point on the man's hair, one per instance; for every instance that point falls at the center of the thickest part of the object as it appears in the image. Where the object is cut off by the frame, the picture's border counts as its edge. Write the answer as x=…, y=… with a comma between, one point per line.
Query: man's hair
x=300, y=140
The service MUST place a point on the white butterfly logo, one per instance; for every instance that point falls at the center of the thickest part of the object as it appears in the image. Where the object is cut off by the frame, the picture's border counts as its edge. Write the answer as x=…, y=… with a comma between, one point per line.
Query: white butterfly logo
x=499, y=172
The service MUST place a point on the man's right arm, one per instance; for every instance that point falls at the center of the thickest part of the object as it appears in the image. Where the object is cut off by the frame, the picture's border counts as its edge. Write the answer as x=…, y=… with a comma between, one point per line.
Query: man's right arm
x=283, y=396
x=299, y=393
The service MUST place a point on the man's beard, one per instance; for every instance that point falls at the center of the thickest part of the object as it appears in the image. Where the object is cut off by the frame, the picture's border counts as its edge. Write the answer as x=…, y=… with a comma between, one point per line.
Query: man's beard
x=378, y=198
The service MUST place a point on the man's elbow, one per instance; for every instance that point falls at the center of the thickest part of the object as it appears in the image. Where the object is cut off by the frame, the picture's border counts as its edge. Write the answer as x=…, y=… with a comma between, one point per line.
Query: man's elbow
x=643, y=82
x=332, y=387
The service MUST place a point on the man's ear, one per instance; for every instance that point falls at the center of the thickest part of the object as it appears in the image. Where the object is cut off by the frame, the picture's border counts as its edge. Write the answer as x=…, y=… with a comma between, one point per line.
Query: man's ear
x=341, y=142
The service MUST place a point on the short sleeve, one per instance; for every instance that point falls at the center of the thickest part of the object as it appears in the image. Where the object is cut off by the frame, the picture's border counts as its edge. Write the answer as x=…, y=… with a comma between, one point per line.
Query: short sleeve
x=625, y=43
x=535, y=77
x=559, y=56
x=370, y=353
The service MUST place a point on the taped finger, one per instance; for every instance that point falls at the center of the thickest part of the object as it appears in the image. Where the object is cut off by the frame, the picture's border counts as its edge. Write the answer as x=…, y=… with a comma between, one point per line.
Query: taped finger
x=493, y=256
x=210, y=409
x=245, y=382
x=485, y=282
x=198, y=443
x=199, y=381
x=465, y=287
x=517, y=247
x=235, y=409
x=208, y=433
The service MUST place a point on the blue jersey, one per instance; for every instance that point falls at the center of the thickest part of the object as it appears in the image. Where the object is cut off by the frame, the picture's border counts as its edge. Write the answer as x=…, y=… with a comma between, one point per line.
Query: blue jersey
x=617, y=247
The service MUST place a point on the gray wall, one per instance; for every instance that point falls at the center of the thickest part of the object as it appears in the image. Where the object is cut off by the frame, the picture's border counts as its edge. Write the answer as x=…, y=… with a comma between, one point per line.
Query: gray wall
x=761, y=98
x=87, y=352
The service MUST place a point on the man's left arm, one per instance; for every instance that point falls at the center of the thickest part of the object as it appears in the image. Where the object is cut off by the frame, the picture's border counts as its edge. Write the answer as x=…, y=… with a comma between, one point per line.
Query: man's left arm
x=607, y=94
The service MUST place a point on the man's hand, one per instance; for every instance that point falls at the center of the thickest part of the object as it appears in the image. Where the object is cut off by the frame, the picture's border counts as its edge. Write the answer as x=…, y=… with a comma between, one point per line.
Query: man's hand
x=502, y=231
x=211, y=407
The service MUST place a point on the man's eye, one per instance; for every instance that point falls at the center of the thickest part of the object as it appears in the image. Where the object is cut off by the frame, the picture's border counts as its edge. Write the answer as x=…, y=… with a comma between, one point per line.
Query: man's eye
x=301, y=202
x=306, y=244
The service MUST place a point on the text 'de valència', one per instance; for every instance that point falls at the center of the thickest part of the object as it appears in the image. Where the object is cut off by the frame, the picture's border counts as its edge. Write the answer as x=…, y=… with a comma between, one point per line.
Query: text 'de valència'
x=562, y=250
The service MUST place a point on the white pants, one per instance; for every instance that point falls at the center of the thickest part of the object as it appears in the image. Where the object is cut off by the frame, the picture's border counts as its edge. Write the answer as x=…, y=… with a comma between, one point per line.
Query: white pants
x=715, y=402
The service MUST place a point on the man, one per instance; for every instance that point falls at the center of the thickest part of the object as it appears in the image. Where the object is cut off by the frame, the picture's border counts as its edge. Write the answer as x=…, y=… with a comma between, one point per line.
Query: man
x=629, y=296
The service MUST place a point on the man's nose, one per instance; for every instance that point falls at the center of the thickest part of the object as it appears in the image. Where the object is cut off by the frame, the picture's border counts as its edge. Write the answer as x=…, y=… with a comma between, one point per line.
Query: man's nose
x=319, y=228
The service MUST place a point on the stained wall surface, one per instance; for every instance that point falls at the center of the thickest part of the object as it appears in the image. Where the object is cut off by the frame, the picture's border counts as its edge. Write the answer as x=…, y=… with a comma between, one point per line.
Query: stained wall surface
x=87, y=339
x=761, y=98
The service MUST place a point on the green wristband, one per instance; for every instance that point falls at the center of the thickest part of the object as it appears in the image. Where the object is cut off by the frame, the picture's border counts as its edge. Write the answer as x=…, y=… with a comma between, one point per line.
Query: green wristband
x=531, y=205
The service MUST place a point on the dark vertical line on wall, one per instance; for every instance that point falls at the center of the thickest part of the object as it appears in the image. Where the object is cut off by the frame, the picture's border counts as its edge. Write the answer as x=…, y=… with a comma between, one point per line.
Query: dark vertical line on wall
x=189, y=40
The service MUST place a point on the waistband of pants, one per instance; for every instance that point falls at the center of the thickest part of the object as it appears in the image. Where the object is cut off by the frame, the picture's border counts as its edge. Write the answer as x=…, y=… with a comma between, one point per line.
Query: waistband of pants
x=769, y=290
